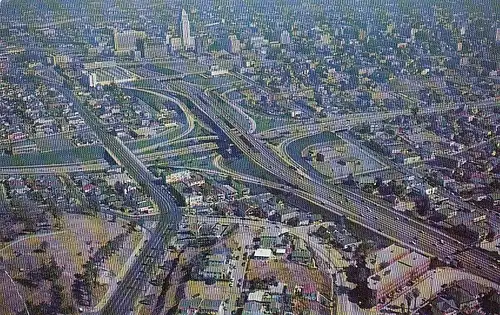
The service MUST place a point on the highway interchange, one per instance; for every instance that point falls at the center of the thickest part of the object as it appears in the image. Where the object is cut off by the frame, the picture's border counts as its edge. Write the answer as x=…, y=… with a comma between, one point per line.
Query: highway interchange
x=366, y=212
x=310, y=187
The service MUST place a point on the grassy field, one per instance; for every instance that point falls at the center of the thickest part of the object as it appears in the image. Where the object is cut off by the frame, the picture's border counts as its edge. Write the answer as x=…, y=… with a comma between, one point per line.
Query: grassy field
x=72, y=155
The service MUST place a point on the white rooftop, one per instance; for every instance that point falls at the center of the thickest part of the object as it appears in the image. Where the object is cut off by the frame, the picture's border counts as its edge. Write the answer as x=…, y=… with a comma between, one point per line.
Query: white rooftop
x=263, y=252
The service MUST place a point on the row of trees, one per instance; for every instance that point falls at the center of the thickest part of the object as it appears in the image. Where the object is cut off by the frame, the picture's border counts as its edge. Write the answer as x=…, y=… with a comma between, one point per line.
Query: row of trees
x=87, y=281
x=49, y=271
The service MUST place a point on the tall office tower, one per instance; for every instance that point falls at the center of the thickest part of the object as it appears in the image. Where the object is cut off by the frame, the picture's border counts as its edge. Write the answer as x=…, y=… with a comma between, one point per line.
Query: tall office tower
x=285, y=38
x=497, y=37
x=234, y=45
x=184, y=29
x=127, y=40
x=200, y=44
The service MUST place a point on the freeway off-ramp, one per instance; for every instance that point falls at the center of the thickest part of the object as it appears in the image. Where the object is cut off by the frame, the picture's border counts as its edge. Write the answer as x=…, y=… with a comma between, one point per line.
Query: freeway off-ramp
x=378, y=218
x=381, y=219
x=137, y=277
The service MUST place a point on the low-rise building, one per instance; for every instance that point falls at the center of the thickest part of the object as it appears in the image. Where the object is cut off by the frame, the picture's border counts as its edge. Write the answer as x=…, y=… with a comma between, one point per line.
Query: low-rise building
x=217, y=272
x=262, y=254
x=177, y=176
x=301, y=256
x=397, y=274
x=386, y=256
x=201, y=306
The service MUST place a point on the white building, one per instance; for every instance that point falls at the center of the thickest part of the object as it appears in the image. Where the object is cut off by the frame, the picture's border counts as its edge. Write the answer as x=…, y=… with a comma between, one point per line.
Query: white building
x=285, y=38
x=175, y=43
x=185, y=30
x=263, y=253
x=178, y=176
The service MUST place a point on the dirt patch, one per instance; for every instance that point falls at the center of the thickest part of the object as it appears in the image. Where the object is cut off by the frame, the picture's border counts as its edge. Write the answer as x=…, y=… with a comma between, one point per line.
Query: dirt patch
x=289, y=273
x=70, y=247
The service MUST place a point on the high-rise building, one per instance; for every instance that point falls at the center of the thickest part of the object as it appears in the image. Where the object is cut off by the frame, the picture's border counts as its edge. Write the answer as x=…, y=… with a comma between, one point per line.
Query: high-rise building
x=285, y=37
x=4, y=64
x=234, y=45
x=127, y=40
x=200, y=44
x=175, y=43
x=184, y=30
x=497, y=37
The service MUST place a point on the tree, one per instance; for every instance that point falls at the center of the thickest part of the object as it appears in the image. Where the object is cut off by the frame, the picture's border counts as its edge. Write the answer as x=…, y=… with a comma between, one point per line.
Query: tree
x=44, y=245
x=423, y=206
x=408, y=298
x=364, y=249
x=415, y=110
x=415, y=292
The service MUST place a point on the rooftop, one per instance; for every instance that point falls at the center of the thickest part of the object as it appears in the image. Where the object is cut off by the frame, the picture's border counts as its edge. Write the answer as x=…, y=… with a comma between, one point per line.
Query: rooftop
x=263, y=252
x=395, y=271
x=386, y=255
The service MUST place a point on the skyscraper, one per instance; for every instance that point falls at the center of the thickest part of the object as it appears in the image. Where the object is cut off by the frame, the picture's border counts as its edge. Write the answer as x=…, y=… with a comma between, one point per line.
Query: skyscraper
x=234, y=45
x=184, y=29
x=285, y=37
x=127, y=40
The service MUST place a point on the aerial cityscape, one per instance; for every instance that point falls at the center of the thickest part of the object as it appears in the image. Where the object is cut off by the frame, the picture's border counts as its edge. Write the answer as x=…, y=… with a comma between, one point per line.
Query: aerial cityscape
x=249, y=157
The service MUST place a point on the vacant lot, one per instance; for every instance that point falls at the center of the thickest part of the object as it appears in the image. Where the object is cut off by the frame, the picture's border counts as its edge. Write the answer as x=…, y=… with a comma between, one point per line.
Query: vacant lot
x=289, y=273
x=71, y=247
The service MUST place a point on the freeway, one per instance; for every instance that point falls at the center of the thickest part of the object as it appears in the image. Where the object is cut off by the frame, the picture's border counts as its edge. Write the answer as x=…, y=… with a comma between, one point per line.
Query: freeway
x=353, y=206
x=198, y=148
x=91, y=166
x=137, y=277
x=312, y=125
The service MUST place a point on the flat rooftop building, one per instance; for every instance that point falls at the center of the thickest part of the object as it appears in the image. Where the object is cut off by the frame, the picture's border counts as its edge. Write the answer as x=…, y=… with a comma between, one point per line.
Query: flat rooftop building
x=387, y=255
x=397, y=274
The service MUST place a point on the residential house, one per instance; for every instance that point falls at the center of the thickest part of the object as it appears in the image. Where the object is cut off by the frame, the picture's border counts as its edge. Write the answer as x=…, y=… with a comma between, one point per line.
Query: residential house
x=310, y=292
x=217, y=272
x=286, y=213
x=443, y=306
x=301, y=256
x=253, y=308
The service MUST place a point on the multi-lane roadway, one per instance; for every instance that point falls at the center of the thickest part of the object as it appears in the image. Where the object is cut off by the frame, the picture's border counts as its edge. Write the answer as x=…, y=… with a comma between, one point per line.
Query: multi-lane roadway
x=138, y=276
x=361, y=210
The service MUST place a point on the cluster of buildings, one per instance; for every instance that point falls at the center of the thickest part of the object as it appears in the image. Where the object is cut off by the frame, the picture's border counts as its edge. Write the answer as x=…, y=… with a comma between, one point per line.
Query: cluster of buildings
x=339, y=236
x=463, y=297
x=456, y=186
x=28, y=111
x=33, y=197
x=112, y=191
x=193, y=190
x=201, y=306
x=130, y=117
x=266, y=206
